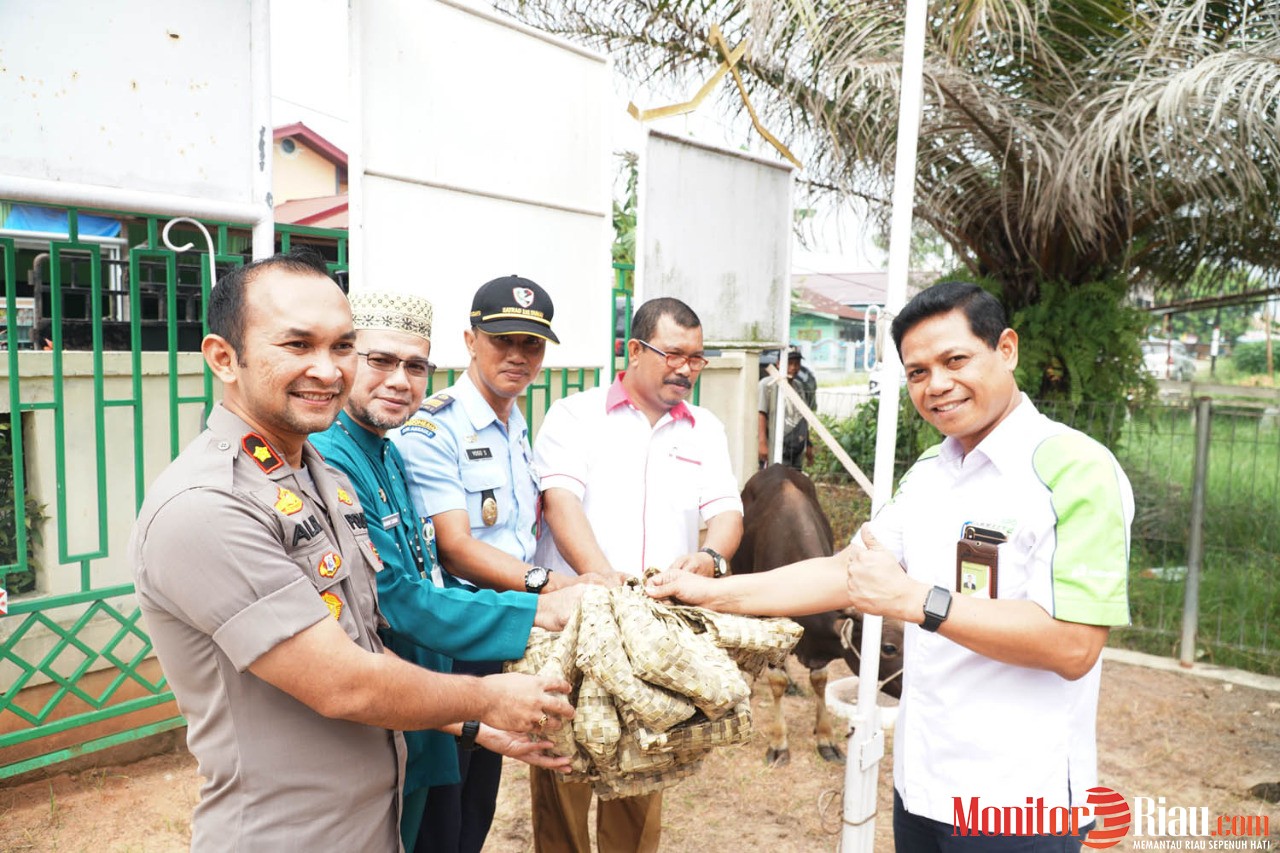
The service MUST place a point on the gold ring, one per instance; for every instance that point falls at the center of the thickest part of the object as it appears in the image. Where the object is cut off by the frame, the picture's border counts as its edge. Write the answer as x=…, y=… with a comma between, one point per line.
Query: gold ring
x=542, y=721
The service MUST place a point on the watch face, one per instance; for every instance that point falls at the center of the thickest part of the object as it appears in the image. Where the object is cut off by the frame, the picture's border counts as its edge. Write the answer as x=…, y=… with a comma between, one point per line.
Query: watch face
x=937, y=603
x=537, y=577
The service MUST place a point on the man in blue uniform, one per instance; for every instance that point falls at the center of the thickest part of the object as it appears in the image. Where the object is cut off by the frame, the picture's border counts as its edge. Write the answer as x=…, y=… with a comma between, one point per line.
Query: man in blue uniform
x=428, y=624
x=467, y=455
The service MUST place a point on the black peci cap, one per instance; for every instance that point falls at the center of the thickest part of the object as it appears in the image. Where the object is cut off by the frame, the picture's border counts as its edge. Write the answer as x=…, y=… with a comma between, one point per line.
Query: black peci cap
x=513, y=306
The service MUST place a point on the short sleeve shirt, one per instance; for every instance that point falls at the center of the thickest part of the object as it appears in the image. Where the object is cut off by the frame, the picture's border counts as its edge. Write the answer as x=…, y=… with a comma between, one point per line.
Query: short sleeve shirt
x=458, y=455
x=234, y=552
x=769, y=394
x=645, y=489
x=969, y=725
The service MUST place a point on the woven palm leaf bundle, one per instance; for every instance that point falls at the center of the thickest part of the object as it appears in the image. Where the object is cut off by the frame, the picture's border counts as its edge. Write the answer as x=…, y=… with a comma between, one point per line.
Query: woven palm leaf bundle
x=655, y=686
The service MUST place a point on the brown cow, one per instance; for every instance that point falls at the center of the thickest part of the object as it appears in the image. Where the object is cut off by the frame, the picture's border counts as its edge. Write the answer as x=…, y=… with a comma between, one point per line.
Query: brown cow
x=783, y=523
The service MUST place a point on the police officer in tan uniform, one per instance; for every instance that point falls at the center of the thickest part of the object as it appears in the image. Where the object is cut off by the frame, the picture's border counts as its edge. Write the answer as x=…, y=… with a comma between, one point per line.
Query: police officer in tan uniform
x=255, y=576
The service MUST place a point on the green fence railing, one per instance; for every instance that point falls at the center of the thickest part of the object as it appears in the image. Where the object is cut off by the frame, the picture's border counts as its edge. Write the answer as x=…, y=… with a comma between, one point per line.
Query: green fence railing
x=119, y=391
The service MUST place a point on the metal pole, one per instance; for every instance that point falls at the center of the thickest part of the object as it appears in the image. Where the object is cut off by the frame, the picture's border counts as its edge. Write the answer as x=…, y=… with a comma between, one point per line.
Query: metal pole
x=866, y=745
x=264, y=229
x=1195, y=541
x=779, y=418
x=355, y=152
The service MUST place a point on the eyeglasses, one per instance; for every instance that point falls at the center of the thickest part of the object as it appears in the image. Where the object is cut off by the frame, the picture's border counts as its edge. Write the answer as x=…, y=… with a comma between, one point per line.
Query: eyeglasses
x=387, y=363
x=675, y=362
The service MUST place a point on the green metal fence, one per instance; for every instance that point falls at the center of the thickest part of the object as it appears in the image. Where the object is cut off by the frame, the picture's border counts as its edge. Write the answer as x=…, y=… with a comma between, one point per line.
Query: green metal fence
x=76, y=663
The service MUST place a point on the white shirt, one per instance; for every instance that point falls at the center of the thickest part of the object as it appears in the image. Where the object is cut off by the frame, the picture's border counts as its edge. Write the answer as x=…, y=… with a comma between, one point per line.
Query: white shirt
x=645, y=489
x=971, y=726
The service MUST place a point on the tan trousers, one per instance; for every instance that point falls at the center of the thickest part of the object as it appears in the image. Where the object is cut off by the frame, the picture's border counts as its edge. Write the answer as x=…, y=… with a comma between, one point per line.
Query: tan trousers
x=626, y=825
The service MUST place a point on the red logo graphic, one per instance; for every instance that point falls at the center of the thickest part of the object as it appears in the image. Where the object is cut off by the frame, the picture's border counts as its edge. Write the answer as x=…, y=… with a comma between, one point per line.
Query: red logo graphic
x=1113, y=816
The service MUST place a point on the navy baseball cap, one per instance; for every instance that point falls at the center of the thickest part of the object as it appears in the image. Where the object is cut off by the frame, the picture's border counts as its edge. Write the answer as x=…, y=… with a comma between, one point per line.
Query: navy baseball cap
x=513, y=306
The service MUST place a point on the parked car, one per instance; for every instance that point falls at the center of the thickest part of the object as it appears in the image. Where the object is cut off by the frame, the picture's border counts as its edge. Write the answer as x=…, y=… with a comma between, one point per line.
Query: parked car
x=1165, y=359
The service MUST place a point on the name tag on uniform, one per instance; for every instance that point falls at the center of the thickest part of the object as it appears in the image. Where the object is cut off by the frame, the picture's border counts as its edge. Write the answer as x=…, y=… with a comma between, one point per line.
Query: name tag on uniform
x=390, y=521
x=479, y=453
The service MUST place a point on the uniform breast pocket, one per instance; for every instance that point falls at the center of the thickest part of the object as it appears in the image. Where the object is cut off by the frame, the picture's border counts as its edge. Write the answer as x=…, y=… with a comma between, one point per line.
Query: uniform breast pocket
x=487, y=496
x=327, y=570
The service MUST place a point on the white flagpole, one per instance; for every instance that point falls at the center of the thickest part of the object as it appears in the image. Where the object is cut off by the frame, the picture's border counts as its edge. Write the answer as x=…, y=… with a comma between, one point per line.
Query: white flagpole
x=866, y=745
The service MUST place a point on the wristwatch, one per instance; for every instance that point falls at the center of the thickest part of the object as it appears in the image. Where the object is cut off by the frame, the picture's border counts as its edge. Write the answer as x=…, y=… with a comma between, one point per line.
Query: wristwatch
x=937, y=606
x=535, y=580
x=467, y=740
x=720, y=566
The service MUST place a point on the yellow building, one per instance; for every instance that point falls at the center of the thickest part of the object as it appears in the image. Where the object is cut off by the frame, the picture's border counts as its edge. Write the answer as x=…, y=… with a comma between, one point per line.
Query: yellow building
x=309, y=178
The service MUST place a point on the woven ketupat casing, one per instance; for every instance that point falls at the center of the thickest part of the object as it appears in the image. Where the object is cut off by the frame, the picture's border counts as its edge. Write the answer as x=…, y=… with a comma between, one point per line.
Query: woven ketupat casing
x=553, y=655
x=602, y=654
x=749, y=639
x=665, y=650
x=638, y=669
x=595, y=722
x=698, y=733
x=610, y=785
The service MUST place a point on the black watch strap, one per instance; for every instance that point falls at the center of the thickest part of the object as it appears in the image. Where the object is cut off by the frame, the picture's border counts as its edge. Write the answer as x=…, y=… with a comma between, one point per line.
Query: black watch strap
x=467, y=740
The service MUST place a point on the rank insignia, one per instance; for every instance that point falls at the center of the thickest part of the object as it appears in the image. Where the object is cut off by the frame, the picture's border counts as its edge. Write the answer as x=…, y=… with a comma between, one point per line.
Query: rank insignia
x=382, y=496
x=256, y=446
x=333, y=603
x=287, y=502
x=377, y=558
x=329, y=564
x=437, y=402
x=344, y=496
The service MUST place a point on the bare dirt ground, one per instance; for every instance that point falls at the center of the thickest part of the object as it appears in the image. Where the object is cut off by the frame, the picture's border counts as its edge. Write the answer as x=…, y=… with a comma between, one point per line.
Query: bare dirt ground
x=1193, y=741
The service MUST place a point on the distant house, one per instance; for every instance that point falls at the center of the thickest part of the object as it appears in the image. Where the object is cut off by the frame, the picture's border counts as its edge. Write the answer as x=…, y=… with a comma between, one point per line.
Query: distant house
x=829, y=311
x=815, y=317
x=309, y=178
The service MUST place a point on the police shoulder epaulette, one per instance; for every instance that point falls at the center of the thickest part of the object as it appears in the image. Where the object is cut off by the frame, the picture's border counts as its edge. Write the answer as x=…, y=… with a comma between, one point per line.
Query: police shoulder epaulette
x=261, y=453
x=438, y=402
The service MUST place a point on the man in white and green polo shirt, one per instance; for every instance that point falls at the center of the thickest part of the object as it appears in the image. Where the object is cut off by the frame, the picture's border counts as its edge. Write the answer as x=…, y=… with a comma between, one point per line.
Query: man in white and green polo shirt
x=1014, y=537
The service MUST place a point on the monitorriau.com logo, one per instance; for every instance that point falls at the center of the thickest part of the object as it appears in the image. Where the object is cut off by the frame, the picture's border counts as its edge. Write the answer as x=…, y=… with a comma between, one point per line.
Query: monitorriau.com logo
x=1181, y=827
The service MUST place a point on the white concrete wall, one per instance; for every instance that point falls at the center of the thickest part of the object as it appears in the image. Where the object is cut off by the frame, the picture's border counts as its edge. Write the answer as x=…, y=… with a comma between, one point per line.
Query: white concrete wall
x=146, y=95
x=728, y=388
x=483, y=152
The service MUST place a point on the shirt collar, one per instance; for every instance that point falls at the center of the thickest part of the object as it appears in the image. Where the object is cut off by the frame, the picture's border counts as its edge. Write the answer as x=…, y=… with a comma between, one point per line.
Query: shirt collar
x=226, y=424
x=618, y=395
x=478, y=410
x=367, y=440
x=1001, y=447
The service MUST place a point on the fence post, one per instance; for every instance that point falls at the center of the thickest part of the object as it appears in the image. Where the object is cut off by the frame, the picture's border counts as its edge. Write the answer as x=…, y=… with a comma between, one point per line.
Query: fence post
x=1195, y=541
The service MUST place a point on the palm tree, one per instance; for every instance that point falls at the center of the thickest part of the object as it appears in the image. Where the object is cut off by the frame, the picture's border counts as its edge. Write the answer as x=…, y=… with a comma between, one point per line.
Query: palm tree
x=1063, y=143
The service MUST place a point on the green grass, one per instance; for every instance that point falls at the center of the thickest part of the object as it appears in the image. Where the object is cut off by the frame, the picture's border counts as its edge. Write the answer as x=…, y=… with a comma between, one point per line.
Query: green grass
x=1239, y=613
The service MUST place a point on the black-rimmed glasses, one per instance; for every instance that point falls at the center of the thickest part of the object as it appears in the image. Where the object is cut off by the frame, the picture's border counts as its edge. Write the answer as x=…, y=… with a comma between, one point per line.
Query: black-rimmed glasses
x=418, y=368
x=675, y=362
